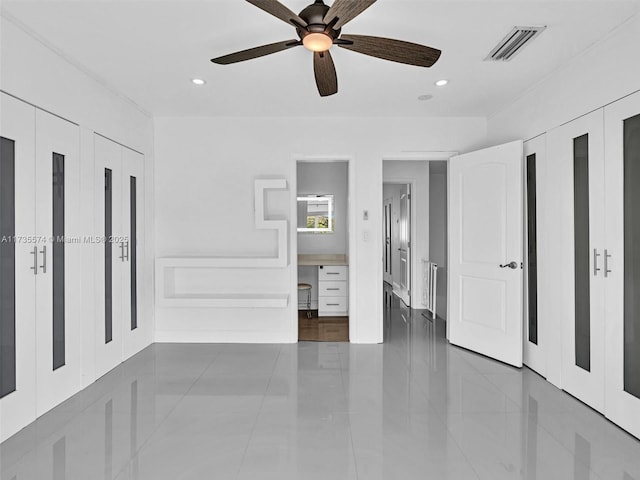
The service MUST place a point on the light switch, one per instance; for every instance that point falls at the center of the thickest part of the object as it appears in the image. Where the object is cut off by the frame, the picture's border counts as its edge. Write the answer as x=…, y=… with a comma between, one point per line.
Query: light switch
x=365, y=235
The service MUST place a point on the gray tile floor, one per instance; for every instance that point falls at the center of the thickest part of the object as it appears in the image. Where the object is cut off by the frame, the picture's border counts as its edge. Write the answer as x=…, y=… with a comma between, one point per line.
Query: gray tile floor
x=412, y=408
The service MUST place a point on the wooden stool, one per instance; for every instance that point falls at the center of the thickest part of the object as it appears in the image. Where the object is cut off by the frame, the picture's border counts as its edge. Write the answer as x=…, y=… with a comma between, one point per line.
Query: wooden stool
x=307, y=287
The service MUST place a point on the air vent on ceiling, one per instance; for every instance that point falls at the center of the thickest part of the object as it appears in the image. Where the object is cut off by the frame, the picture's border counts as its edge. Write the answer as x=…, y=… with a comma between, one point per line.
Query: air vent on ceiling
x=515, y=40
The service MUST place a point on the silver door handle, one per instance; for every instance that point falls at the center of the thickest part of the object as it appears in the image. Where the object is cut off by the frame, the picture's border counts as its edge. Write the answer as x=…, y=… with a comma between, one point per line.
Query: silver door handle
x=606, y=263
x=121, y=257
x=595, y=262
x=511, y=265
x=333, y=289
x=126, y=257
x=34, y=252
x=44, y=259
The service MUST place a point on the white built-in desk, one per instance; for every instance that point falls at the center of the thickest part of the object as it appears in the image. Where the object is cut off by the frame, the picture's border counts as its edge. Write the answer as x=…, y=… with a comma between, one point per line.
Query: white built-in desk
x=333, y=283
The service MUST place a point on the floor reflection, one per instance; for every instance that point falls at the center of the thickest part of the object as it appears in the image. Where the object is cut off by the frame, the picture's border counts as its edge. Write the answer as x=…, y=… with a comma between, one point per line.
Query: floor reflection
x=413, y=407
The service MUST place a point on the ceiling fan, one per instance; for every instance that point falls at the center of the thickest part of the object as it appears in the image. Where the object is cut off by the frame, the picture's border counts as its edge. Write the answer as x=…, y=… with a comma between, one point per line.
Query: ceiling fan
x=319, y=27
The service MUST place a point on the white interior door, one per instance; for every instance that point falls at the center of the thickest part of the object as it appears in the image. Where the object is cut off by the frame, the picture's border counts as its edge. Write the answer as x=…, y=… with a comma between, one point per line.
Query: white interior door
x=535, y=269
x=58, y=281
x=388, y=244
x=577, y=149
x=622, y=282
x=486, y=251
x=18, y=257
x=134, y=328
x=109, y=253
x=404, y=245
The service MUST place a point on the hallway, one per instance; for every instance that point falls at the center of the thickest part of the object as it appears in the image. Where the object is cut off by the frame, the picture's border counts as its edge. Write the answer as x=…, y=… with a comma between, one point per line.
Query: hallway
x=413, y=407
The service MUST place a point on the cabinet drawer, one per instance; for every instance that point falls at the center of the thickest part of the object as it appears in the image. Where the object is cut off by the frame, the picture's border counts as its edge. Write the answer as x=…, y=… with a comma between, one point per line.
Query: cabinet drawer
x=333, y=272
x=328, y=288
x=332, y=305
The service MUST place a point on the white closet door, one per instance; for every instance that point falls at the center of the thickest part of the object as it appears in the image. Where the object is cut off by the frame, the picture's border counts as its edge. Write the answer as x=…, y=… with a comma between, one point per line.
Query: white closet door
x=134, y=328
x=536, y=273
x=578, y=158
x=109, y=253
x=17, y=262
x=58, y=280
x=622, y=285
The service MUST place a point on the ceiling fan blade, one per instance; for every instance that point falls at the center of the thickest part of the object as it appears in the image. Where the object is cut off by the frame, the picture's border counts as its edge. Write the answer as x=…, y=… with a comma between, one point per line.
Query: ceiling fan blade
x=255, y=52
x=325, y=71
x=393, y=50
x=346, y=10
x=275, y=8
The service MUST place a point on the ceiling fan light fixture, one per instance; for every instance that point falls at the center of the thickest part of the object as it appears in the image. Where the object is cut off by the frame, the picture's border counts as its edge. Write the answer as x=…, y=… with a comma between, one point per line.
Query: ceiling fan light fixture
x=317, y=42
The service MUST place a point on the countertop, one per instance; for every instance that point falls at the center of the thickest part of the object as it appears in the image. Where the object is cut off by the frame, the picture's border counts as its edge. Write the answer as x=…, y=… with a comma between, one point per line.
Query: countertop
x=323, y=259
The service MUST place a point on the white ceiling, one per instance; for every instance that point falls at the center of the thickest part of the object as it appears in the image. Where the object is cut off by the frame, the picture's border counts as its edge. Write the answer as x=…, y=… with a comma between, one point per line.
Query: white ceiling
x=149, y=50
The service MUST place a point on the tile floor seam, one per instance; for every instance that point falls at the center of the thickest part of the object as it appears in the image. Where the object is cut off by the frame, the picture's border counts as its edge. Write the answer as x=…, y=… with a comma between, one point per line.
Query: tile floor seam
x=164, y=419
x=353, y=447
x=255, y=422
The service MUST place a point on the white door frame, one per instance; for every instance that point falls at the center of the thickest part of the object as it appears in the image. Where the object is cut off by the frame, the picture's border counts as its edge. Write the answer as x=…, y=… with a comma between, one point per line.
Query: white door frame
x=351, y=238
x=418, y=157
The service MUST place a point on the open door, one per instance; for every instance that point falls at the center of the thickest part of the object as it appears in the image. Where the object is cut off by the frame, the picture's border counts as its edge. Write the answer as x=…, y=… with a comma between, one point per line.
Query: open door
x=387, y=255
x=486, y=252
x=404, y=291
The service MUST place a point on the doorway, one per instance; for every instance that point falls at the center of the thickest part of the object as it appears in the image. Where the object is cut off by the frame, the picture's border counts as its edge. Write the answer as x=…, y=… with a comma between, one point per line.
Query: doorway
x=397, y=239
x=323, y=245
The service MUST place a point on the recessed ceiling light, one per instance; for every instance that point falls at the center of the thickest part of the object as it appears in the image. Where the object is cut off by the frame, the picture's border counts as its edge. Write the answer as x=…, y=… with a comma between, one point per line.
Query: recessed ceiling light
x=198, y=81
x=441, y=83
x=425, y=97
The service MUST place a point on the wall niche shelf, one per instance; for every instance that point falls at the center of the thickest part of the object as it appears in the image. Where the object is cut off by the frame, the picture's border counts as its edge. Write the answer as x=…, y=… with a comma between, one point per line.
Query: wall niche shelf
x=238, y=297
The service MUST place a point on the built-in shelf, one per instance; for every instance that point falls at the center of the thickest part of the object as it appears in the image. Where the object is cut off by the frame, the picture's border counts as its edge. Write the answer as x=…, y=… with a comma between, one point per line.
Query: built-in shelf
x=168, y=267
x=228, y=300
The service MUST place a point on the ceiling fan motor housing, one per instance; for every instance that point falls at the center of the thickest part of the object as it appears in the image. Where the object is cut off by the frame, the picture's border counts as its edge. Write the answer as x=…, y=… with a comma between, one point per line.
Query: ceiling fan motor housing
x=314, y=16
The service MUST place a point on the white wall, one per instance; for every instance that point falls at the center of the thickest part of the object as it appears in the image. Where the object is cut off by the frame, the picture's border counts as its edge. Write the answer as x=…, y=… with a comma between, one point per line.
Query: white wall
x=36, y=74
x=325, y=178
x=606, y=72
x=205, y=168
x=438, y=230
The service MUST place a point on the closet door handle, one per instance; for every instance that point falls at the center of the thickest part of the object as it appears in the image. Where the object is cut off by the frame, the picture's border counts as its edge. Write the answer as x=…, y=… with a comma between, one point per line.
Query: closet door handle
x=34, y=252
x=44, y=259
x=596, y=269
x=126, y=256
x=121, y=257
x=606, y=263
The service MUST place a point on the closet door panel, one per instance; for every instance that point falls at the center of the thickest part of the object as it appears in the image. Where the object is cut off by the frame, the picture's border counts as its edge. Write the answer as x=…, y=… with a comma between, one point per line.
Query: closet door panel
x=135, y=330
x=58, y=328
x=17, y=257
x=109, y=252
x=622, y=285
x=576, y=151
x=536, y=276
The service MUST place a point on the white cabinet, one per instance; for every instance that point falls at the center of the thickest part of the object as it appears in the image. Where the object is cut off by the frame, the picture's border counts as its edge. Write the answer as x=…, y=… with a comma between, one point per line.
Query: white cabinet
x=333, y=295
x=40, y=349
